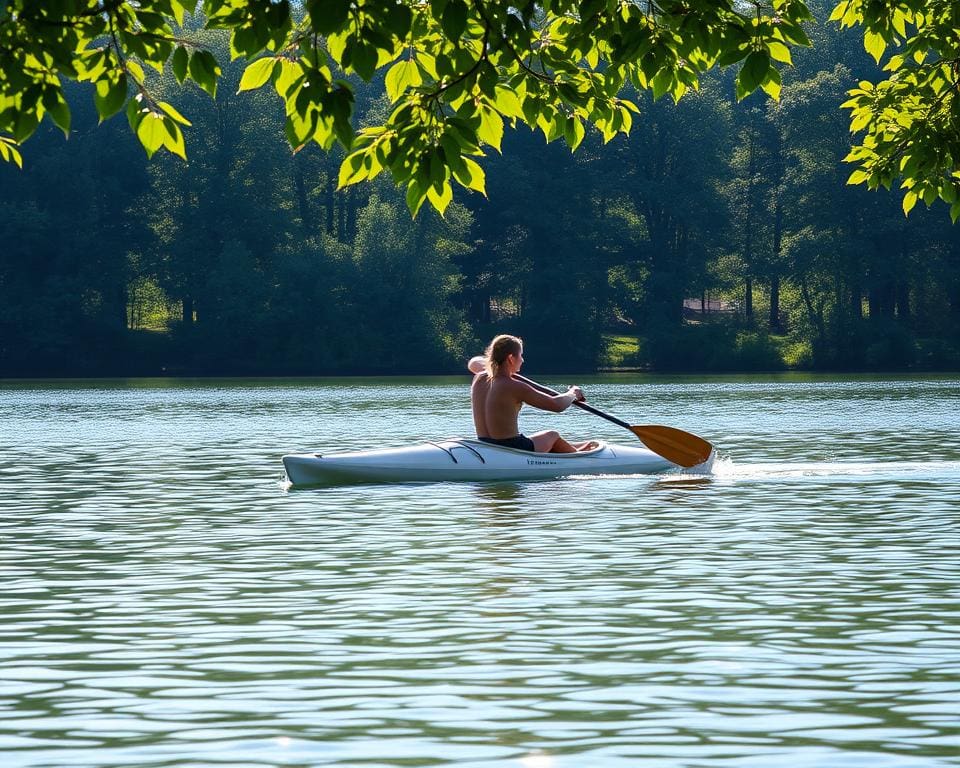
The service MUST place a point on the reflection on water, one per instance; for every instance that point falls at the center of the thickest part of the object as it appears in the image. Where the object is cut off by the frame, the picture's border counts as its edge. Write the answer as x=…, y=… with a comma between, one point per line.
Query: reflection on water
x=167, y=601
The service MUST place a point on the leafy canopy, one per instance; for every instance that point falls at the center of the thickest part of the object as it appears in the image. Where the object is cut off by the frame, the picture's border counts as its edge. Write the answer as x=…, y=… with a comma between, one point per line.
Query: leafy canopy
x=457, y=71
x=911, y=119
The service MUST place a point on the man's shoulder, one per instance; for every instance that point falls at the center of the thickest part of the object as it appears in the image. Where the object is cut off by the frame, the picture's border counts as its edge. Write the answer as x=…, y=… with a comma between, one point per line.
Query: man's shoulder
x=506, y=384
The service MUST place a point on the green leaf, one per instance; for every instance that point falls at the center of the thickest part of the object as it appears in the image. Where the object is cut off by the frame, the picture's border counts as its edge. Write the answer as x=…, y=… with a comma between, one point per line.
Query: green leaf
x=454, y=20
x=793, y=33
x=771, y=84
x=731, y=56
x=874, y=44
x=179, y=6
x=363, y=58
x=471, y=176
x=491, y=128
x=284, y=79
x=752, y=73
x=858, y=177
x=171, y=111
x=662, y=82
x=204, y=70
x=779, y=52
x=297, y=131
x=56, y=105
x=134, y=113
x=507, y=102
x=327, y=16
x=351, y=169
x=173, y=138
x=573, y=132
x=151, y=132
x=9, y=152
x=402, y=75
x=109, y=96
x=135, y=71
x=257, y=73
x=839, y=10
x=415, y=197
x=899, y=23
x=440, y=200
x=179, y=63
x=399, y=18
x=909, y=200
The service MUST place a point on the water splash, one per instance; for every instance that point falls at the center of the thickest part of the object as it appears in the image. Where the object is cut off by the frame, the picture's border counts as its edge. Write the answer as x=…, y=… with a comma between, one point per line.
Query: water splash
x=726, y=468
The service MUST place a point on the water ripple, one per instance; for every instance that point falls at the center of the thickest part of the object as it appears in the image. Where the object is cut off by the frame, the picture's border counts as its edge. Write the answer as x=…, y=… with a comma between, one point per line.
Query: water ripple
x=168, y=601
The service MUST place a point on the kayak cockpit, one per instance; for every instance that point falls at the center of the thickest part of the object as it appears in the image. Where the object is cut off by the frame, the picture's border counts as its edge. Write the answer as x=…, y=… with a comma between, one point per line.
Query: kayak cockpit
x=477, y=447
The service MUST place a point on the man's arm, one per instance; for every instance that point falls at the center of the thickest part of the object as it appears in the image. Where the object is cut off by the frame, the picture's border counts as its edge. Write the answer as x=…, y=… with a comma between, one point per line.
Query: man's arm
x=554, y=403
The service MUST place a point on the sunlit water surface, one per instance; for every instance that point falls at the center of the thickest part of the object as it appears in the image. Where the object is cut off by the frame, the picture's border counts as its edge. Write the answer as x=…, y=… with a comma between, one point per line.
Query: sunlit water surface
x=167, y=600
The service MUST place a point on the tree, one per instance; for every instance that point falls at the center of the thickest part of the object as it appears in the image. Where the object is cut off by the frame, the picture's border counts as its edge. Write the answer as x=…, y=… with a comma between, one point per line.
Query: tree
x=911, y=119
x=455, y=70
x=458, y=69
x=68, y=231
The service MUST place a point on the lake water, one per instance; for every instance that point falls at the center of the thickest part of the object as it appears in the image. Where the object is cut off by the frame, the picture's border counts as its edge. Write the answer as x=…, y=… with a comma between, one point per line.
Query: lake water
x=166, y=600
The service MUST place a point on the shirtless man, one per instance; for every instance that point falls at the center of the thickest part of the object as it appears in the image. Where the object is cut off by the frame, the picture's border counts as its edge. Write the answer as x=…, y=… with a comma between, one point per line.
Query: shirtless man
x=497, y=398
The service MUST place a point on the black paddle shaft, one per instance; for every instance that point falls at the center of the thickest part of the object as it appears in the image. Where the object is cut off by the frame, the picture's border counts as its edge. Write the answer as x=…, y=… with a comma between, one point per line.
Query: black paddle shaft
x=601, y=414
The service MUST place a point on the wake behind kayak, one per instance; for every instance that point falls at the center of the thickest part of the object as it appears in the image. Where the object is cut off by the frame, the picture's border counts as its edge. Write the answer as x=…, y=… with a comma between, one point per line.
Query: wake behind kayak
x=464, y=459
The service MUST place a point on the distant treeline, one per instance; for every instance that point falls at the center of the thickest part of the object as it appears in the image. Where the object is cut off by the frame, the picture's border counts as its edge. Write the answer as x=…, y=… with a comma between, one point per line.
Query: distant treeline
x=247, y=260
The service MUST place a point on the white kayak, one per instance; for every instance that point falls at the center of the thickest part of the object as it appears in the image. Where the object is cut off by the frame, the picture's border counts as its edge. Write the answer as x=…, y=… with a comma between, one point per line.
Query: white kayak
x=468, y=459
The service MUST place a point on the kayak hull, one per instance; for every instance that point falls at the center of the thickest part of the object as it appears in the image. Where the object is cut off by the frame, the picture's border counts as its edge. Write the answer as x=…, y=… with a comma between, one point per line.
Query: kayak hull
x=464, y=459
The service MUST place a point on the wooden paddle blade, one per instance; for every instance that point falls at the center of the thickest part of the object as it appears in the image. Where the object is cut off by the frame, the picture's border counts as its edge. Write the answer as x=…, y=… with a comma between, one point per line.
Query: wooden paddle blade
x=682, y=448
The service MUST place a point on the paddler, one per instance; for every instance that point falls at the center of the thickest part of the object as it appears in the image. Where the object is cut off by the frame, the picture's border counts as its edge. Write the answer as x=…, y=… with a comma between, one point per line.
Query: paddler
x=497, y=398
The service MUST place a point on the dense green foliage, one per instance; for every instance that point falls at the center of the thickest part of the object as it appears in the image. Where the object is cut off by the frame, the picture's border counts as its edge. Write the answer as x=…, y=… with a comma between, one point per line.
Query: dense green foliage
x=250, y=260
x=457, y=71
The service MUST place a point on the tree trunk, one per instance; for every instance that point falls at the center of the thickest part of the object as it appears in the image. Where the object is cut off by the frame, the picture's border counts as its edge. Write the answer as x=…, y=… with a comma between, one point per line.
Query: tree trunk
x=856, y=303
x=330, y=201
x=889, y=305
x=301, y=189
x=775, y=325
x=748, y=231
x=351, y=213
x=187, y=316
x=816, y=318
x=882, y=299
x=903, y=302
x=120, y=315
x=342, y=218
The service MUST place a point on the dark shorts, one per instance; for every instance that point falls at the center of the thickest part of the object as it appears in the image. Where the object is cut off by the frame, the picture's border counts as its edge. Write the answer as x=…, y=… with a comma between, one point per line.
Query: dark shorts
x=520, y=442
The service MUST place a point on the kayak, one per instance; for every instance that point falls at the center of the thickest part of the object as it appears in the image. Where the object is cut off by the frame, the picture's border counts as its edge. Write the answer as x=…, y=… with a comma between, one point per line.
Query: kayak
x=460, y=459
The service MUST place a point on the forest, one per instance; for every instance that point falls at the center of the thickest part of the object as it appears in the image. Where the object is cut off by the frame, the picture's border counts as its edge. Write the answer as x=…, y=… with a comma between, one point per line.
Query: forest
x=720, y=235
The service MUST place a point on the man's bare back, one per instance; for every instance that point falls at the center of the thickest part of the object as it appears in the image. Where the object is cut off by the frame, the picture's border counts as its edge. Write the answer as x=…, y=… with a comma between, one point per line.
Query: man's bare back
x=497, y=400
x=497, y=403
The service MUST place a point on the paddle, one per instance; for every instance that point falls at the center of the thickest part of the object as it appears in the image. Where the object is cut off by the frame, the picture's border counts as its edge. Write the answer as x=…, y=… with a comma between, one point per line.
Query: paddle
x=675, y=445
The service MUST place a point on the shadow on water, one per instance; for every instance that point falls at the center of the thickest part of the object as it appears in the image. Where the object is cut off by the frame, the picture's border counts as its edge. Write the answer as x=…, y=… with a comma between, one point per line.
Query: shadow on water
x=681, y=483
x=503, y=500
